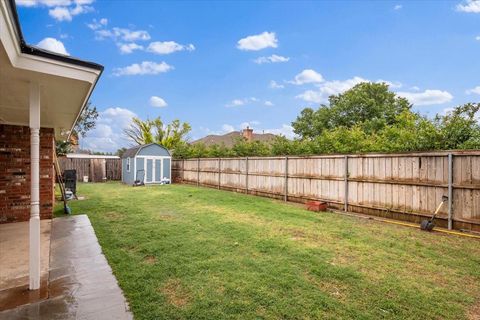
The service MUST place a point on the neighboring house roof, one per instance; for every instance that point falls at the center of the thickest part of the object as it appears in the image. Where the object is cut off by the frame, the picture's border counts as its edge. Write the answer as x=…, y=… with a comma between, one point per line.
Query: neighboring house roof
x=229, y=139
x=132, y=152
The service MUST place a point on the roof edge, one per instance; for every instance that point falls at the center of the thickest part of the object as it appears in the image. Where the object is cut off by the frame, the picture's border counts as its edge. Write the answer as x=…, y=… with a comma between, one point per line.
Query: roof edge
x=35, y=51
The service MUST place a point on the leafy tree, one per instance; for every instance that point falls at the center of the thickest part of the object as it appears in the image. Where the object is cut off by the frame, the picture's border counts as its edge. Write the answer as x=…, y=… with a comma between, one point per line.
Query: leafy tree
x=86, y=121
x=62, y=147
x=459, y=128
x=370, y=105
x=120, y=151
x=148, y=131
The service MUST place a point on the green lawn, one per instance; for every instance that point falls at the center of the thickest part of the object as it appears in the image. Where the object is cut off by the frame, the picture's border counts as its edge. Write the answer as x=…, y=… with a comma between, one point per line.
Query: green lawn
x=185, y=252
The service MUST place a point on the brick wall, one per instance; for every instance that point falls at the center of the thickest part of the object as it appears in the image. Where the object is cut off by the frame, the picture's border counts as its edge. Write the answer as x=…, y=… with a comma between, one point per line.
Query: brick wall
x=15, y=173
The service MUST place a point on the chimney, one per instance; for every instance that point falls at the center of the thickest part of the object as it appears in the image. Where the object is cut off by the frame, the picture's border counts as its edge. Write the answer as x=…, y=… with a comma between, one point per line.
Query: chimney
x=248, y=134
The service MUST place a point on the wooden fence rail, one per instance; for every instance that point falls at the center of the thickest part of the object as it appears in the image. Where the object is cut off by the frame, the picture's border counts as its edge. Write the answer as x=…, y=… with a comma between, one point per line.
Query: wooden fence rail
x=405, y=186
x=97, y=170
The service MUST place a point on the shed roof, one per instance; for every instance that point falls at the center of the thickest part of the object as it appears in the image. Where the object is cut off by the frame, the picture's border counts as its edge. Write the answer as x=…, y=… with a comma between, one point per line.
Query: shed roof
x=132, y=152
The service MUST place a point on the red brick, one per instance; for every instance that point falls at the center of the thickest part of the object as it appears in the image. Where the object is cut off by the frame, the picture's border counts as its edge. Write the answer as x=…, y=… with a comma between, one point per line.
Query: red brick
x=15, y=173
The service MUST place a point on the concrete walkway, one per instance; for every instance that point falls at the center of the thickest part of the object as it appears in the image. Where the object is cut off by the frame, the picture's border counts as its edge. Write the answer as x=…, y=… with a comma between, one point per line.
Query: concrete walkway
x=81, y=284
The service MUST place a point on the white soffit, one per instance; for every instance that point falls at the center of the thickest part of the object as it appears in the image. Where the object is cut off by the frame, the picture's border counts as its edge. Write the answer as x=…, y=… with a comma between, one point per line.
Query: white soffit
x=64, y=87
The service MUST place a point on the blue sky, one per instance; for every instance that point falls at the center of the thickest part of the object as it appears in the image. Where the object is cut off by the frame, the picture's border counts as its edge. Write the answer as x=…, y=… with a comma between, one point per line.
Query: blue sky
x=223, y=65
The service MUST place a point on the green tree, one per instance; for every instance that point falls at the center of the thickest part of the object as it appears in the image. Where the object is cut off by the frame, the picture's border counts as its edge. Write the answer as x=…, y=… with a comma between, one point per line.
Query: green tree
x=370, y=105
x=86, y=121
x=148, y=131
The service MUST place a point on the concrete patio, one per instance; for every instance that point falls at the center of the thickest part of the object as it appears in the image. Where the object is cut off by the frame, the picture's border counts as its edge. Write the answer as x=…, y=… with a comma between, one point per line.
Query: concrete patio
x=80, y=281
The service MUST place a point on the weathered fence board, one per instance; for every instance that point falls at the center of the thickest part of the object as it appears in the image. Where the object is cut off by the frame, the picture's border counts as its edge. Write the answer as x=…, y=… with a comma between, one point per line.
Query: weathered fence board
x=406, y=186
x=97, y=170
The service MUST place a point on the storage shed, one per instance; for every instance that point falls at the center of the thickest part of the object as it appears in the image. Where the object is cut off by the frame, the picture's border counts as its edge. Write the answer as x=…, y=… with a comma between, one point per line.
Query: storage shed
x=149, y=163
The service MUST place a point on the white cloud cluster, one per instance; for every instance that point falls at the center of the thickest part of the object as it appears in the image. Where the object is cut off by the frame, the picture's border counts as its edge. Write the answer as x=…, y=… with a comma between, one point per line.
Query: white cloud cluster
x=241, y=102
x=143, y=68
x=54, y=45
x=307, y=76
x=127, y=48
x=95, y=25
x=61, y=10
x=477, y=38
x=325, y=89
x=167, y=47
x=329, y=88
x=275, y=85
x=470, y=6
x=122, y=34
x=126, y=39
x=271, y=59
x=258, y=42
x=268, y=103
x=157, y=102
x=427, y=97
x=475, y=90
x=397, y=7
x=108, y=135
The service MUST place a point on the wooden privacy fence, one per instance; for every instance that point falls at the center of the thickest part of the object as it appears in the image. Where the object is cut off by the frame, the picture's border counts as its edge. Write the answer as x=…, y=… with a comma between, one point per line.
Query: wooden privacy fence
x=405, y=186
x=97, y=169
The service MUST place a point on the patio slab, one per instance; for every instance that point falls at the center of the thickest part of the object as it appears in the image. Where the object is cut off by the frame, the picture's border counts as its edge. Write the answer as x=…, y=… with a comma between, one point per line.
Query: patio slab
x=81, y=284
x=14, y=242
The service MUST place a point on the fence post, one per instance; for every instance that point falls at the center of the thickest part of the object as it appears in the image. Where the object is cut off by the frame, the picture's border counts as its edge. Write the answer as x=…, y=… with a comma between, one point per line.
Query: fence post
x=183, y=170
x=219, y=172
x=246, y=175
x=198, y=172
x=345, y=200
x=450, y=191
x=285, y=198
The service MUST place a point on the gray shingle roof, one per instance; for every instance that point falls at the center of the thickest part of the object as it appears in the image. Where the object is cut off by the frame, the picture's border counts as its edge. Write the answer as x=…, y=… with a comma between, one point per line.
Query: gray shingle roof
x=130, y=153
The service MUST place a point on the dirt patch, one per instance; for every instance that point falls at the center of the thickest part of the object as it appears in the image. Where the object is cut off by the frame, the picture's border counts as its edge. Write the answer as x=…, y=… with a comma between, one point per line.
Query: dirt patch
x=113, y=216
x=474, y=312
x=176, y=294
x=150, y=260
x=334, y=288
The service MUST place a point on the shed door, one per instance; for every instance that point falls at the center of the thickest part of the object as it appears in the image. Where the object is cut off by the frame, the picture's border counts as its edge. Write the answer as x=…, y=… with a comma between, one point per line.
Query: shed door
x=166, y=168
x=158, y=170
x=149, y=171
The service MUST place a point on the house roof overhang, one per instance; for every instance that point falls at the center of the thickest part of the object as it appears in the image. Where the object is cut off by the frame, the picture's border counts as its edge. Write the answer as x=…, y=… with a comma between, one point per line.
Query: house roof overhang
x=66, y=83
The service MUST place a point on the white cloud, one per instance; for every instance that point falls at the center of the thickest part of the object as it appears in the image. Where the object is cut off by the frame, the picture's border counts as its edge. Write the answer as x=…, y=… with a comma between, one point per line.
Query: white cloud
x=54, y=45
x=329, y=88
x=26, y=3
x=258, y=42
x=427, y=97
x=47, y=3
x=397, y=7
x=108, y=135
x=241, y=102
x=127, y=48
x=275, y=85
x=391, y=85
x=145, y=67
x=475, y=90
x=167, y=47
x=157, y=102
x=268, y=103
x=271, y=59
x=122, y=34
x=470, y=6
x=285, y=130
x=94, y=25
x=60, y=14
x=307, y=76
x=477, y=38
x=226, y=128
